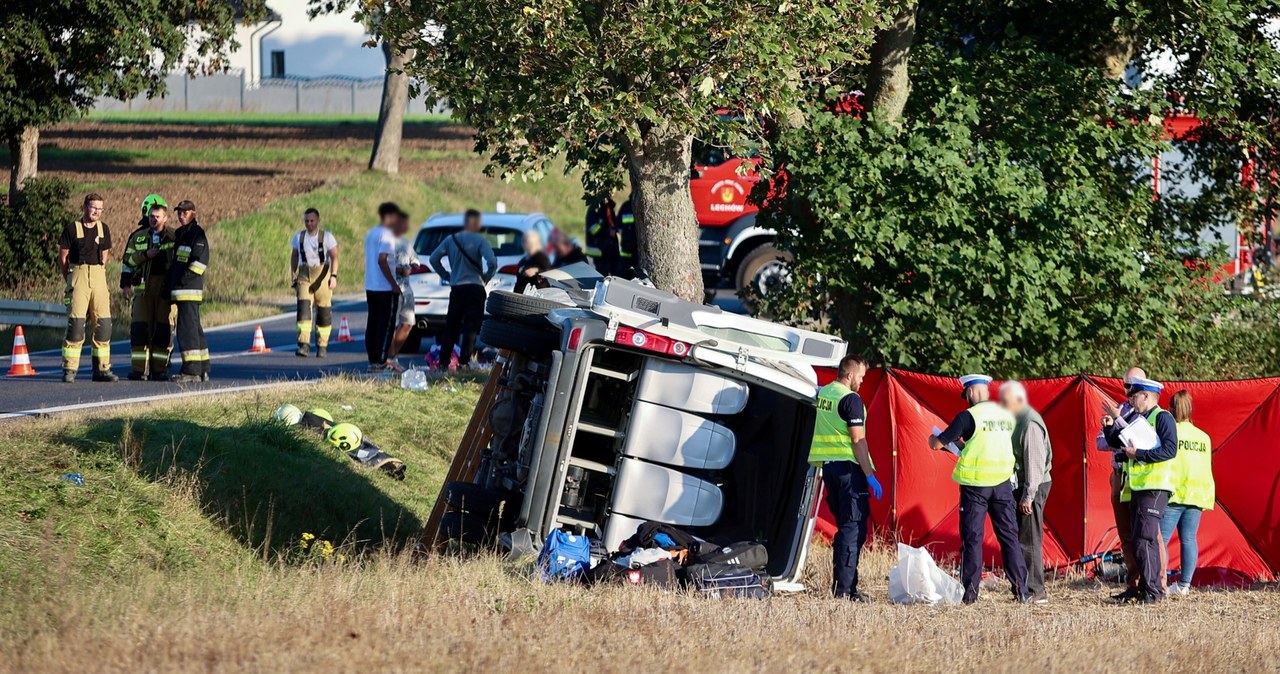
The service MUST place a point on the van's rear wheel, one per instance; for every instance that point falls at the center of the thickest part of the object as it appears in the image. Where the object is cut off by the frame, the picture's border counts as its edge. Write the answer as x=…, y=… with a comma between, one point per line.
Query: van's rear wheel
x=516, y=308
x=764, y=269
x=519, y=338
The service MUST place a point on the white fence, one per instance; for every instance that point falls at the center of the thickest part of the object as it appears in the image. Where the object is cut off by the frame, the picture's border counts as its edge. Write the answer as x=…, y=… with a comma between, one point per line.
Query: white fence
x=231, y=92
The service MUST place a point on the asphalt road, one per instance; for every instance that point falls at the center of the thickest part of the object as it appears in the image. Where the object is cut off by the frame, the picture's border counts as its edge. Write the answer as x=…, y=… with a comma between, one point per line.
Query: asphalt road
x=233, y=368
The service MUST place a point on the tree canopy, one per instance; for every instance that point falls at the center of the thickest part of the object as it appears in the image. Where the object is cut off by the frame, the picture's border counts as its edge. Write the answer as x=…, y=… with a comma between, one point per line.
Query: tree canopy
x=57, y=56
x=1005, y=220
x=621, y=88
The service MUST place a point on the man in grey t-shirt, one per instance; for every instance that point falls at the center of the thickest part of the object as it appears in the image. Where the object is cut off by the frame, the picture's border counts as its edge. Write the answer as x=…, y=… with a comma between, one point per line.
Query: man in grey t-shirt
x=471, y=265
x=1033, y=457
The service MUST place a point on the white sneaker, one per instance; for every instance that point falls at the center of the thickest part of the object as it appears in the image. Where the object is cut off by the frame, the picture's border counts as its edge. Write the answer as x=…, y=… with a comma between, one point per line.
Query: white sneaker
x=1179, y=590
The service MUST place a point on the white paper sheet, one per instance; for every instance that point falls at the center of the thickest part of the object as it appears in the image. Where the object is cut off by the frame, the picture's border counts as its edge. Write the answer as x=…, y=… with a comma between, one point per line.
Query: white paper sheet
x=1140, y=434
x=951, y=447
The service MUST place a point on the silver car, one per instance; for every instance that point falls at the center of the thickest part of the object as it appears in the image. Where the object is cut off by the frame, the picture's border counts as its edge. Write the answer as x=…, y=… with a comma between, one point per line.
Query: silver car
x=504, y=231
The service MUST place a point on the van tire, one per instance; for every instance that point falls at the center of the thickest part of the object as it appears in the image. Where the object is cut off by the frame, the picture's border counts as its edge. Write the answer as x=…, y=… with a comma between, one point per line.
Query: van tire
x=464, y=528
x=519, y=338
x=757, y=260
x=522, y=309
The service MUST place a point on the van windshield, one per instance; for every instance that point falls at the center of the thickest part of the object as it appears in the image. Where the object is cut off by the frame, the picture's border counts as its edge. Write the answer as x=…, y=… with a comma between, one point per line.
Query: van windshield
x=506, y=241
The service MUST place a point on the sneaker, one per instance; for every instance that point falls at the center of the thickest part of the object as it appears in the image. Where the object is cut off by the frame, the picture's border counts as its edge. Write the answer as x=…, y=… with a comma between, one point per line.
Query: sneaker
x=1128, y=595
x=1039, y=598
x=303, y=351
x=68, y=376
x=394, y=366
x=1151, y=599
x=184, y=378
x=137, y=376
x=204, y=376
x=158, y=377
x=378, y=368
x=322, y=351
x=105, y=375
x=1179, y=590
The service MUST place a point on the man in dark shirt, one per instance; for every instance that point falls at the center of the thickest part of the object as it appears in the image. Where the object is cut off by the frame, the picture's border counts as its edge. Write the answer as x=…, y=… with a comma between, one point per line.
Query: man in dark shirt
x=567, y=252
x=839, y=446
x=83, y=250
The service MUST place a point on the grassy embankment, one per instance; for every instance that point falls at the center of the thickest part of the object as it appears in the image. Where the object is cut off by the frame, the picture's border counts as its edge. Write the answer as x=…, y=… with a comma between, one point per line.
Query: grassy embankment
x=181, y=553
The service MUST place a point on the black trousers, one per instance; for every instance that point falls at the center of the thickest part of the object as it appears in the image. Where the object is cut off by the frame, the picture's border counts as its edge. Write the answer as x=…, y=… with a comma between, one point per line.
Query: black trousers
x=1147, y=509
x=381, y=324
x=976, y=505
x=850, y=504
x=1031, y=536
x=462, y=322
x=191, y=341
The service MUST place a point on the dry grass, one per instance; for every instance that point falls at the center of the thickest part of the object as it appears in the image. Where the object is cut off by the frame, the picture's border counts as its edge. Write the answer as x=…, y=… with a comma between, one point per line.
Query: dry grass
x=483, y=614
x=148, y=569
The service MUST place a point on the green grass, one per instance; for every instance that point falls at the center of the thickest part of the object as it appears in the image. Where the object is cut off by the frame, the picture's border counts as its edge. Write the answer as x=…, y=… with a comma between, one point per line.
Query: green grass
x=209, y=483
x=252, y=118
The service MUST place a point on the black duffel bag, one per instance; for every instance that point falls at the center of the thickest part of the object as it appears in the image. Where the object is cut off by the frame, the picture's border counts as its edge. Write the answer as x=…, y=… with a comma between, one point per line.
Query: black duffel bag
x=745, y=554
x=728, y=581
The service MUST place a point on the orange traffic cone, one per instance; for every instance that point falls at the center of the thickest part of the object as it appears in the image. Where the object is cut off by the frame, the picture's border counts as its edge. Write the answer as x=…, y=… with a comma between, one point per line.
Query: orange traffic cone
x=344, y=331
x=259, y=342
x=21, y=363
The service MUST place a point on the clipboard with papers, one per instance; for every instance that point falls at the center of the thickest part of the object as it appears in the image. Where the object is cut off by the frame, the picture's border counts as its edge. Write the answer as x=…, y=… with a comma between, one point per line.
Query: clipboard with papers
x=951, y=446
x=1140, y=434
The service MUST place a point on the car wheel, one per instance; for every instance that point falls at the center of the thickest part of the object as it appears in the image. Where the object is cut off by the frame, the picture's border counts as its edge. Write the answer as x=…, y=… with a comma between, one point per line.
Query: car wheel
x=521, y=338
x=464, y=528
x=523, y=309
x=476, y=500
x=764, y=269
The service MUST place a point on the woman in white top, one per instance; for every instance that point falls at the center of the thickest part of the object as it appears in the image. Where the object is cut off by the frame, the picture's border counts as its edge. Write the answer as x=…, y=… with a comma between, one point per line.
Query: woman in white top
x=405, y=260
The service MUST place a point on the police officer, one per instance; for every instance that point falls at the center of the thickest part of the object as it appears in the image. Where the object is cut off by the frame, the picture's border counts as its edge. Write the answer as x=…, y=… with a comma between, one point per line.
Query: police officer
x=83, y=250
x=839, y=447
x=186, y=291
x=147, y=256
x=985, y=471
x=313, y=265
x=602, y=237
x=1195, y=491
x=1150, y=478
x=628, y=255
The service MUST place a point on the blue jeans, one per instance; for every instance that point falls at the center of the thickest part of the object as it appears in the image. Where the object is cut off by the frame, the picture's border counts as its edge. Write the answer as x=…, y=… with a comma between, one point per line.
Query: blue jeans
x=1187, y=520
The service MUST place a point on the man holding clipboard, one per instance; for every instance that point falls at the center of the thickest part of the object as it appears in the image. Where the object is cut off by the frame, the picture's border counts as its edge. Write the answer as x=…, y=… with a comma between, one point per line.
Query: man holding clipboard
x=1147, y=444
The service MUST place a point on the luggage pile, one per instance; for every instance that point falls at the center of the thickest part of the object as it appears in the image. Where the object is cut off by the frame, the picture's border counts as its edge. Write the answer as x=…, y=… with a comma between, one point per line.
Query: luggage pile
x=345, y=437
x=664, y=557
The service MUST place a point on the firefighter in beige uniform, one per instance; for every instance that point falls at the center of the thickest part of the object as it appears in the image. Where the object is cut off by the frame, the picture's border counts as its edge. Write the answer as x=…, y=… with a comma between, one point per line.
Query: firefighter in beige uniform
x=147, y=255
x=84, y=248
x=313, y=265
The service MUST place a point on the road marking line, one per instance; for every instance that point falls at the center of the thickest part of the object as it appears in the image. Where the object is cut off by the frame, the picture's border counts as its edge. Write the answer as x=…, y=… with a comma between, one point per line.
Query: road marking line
x=48, y=411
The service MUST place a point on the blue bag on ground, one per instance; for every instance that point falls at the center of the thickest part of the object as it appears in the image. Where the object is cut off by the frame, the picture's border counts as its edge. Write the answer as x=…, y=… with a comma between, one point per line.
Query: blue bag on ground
x=564, y=556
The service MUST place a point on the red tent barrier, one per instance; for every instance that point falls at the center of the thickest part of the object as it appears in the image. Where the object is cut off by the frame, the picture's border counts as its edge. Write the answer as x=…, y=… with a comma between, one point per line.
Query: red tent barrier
x=1241, y=535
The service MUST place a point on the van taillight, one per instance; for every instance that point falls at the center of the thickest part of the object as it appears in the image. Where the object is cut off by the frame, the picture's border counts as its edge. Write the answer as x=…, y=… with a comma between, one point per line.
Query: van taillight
x=648, y=341
x=575, y=338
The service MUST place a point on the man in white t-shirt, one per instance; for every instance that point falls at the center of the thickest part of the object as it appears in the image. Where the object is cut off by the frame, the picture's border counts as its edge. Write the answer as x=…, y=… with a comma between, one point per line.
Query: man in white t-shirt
x=380, y=287
x=406, y=260
x=313, y=267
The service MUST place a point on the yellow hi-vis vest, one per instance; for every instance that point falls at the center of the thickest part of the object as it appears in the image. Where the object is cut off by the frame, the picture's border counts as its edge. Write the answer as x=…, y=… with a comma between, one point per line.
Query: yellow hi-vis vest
x=831, y=441
x=987, y=459
x=1193, y=468
x=1153, y=476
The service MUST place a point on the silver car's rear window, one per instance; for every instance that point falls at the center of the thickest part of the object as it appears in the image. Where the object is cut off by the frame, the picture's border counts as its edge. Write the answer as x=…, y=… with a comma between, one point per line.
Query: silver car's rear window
x=506, y=242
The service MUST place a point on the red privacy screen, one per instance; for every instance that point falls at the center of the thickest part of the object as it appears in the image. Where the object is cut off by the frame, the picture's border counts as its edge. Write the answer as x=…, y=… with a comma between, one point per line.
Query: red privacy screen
x=1241, y=536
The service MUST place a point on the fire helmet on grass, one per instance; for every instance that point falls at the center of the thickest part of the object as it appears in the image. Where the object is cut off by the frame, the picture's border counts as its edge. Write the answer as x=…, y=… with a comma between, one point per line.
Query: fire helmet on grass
x=344, y=437
x=289, y=414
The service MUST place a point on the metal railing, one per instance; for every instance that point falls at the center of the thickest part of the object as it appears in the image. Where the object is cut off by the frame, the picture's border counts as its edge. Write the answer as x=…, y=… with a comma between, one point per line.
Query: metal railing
x=32, y=314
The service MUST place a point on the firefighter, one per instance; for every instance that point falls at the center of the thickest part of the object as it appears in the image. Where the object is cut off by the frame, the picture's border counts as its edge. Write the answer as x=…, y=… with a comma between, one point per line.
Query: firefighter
x=148, y=253
x=83, y=250
x=627, y=246
x=602, y=237
x=313, y=267
x=186, y=291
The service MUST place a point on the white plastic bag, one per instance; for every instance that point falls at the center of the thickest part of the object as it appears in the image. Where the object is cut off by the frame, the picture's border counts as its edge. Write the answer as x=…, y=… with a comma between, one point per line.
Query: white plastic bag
x=917, y=579
x=413, y=379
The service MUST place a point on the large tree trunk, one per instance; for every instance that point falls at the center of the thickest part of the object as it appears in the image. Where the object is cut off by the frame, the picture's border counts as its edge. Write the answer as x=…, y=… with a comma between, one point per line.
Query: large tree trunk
x=395, y=100
x=23, y=160
x=666, y=224
x=890, y=83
